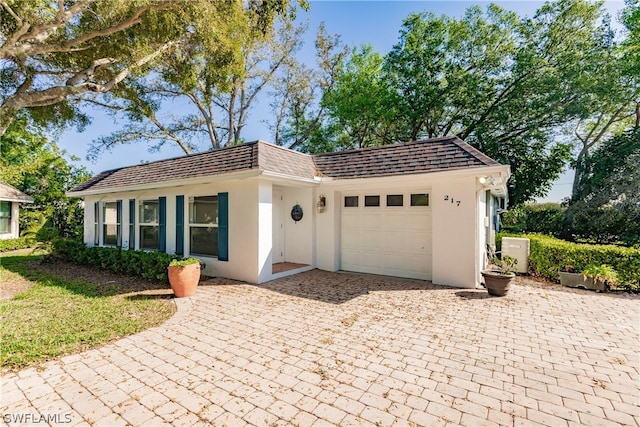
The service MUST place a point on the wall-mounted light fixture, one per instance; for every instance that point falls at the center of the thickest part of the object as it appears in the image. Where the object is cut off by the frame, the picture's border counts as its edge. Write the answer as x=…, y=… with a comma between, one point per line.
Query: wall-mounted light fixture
x=488, y=181
x=322, y=203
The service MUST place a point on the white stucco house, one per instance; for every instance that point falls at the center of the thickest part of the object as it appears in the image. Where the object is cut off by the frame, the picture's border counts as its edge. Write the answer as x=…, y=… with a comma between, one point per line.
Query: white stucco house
x=257, y=211
x=10, y=199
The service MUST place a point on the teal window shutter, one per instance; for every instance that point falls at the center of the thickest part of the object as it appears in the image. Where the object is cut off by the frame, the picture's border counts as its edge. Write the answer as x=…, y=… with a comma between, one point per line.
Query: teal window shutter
x=179, y=225
x=223, y=226
x=162, y=229
x=119, y=221
x=132, y=223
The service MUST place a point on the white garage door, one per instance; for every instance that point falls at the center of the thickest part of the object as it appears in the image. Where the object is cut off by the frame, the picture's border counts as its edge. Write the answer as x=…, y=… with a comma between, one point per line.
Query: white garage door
x=387, y=233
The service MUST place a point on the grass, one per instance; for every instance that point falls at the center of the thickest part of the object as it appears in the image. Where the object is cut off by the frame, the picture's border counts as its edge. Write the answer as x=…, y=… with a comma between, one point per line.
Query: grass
x=59, y=316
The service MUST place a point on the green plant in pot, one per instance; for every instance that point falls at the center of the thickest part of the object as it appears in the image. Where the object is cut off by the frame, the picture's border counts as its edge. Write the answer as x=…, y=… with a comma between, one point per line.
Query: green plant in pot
x=593, y=277
x=184, y=276
x=602, y=274
x=499, y=278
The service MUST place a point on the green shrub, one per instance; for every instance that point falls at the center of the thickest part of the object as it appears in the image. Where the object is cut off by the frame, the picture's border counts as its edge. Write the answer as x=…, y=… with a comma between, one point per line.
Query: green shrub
x=18, y=243
x=150, y=265
x=549, y=255
x=184, y=262
x=545, y=218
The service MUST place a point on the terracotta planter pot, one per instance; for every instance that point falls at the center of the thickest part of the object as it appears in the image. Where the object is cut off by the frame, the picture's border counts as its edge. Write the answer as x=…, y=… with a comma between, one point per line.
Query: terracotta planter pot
x=184, y=280
x=497, y=283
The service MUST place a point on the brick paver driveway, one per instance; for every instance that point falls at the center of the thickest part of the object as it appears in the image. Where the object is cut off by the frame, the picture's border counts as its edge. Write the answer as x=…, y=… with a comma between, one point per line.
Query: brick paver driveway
x=342, y=349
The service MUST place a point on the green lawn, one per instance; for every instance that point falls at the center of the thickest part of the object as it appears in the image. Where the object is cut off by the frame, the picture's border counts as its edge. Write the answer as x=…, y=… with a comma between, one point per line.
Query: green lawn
x=59, y=316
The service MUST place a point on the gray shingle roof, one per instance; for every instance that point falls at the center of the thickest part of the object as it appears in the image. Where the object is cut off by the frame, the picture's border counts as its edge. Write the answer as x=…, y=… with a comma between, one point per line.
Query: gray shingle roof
x=425, y=156
x=12, y=194
x=431, y=155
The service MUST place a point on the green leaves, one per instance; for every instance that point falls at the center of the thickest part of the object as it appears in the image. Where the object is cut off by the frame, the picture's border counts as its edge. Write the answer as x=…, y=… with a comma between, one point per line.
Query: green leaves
x=504, y=84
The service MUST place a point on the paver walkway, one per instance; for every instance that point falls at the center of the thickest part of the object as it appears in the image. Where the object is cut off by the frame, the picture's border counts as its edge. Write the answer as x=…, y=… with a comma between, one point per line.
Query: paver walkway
x=343, y=349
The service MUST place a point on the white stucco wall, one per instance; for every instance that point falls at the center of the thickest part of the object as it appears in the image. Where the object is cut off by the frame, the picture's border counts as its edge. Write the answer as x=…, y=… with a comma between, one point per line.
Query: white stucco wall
x=457, y=212
x=455, y=231
x=243, y=223
x=327, y=230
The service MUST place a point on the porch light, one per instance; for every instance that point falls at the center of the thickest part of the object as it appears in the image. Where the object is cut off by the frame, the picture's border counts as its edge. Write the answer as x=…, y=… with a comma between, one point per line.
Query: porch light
x=322, y=203
x=489, y=181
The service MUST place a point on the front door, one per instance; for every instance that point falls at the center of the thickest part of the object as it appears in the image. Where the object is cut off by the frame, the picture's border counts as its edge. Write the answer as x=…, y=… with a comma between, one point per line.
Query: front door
x=277, y=251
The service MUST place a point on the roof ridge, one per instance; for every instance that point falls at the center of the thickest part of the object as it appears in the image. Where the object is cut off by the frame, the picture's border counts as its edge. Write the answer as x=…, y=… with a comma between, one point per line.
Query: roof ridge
x=386, y=146
x=280, y=147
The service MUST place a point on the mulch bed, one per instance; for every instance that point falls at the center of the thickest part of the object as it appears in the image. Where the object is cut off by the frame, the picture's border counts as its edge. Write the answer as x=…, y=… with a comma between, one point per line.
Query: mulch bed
x=94, y=275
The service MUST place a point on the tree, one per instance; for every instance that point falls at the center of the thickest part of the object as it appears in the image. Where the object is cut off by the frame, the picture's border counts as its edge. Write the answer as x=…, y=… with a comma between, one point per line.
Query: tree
x=358, y=101
x=300, y=118
x=607, y=206
x=211, y=113
x=37, y=167
x=505, y=85
x=53, y=53
x=616, y=93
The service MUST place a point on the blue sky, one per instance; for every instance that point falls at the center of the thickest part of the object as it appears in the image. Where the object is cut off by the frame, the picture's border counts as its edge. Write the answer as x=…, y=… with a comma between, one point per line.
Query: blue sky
x=358, y=22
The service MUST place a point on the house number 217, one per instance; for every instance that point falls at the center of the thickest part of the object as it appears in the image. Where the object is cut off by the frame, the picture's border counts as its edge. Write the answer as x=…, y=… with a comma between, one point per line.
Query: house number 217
x=453, y=202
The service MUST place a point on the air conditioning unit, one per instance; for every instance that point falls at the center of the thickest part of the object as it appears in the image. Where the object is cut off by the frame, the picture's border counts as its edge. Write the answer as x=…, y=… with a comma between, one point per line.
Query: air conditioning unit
x=518, y=248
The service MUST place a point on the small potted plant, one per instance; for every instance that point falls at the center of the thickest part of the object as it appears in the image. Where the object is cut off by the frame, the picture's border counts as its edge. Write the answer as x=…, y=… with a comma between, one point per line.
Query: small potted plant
x=184, y=276
x=498, y=279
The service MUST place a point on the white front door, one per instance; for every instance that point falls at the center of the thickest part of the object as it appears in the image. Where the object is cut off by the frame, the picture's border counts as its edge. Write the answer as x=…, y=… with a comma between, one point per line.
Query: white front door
x=277, y=251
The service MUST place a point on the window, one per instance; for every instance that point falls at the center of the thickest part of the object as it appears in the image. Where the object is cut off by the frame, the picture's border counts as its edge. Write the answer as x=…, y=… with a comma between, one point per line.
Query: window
x=371, y=201
x=149, y=217
x=351, y=202
x=395, y=200
x=96, y=224
x=203, y=225
x=420, y=199
x=111, y=224
x=5, y=217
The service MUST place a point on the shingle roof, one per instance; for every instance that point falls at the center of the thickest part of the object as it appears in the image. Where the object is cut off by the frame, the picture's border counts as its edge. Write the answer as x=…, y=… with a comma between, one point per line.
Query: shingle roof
x=431, y=155
x=12, y=194
x=425, y=156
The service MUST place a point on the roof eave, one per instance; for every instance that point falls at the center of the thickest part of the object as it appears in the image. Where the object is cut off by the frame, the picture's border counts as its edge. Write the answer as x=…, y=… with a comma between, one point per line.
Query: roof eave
x=15, y=199
x=244, y=174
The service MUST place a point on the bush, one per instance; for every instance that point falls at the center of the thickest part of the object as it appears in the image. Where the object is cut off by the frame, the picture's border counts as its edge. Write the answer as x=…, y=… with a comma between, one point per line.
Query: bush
x=546, y=218
x=18, y=243
x=549, y=255
x=148, y=265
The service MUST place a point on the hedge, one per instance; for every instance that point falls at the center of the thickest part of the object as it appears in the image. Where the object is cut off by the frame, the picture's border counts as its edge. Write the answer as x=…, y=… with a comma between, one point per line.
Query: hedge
x=150, y=265
x=549, y=255
x=17, y=243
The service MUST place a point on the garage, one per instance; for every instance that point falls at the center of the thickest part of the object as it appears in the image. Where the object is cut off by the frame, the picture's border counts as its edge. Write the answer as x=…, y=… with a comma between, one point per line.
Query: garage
x=387, y=233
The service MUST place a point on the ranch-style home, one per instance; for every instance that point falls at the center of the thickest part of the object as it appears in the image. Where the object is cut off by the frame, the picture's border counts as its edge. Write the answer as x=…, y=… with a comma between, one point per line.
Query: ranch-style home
x=10, y=200
x=256, y=211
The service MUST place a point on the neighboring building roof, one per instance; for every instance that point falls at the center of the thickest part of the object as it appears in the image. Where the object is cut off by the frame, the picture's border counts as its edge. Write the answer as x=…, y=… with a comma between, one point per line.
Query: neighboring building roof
x=431, y=155
x=9, y=193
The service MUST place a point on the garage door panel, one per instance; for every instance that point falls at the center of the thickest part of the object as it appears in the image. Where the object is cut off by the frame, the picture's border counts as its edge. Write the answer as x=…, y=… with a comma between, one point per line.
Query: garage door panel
x=392, y=241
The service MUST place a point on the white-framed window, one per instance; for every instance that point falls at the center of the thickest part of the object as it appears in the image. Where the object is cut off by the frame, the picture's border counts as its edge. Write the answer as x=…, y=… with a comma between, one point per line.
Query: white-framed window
x=96, y=224
x=111, y=227
x=203, y=226
x=5, y=217
x=149, y=217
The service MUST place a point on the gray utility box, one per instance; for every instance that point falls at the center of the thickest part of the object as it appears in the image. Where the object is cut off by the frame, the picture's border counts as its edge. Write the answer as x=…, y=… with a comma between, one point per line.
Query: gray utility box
x=517, y=248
